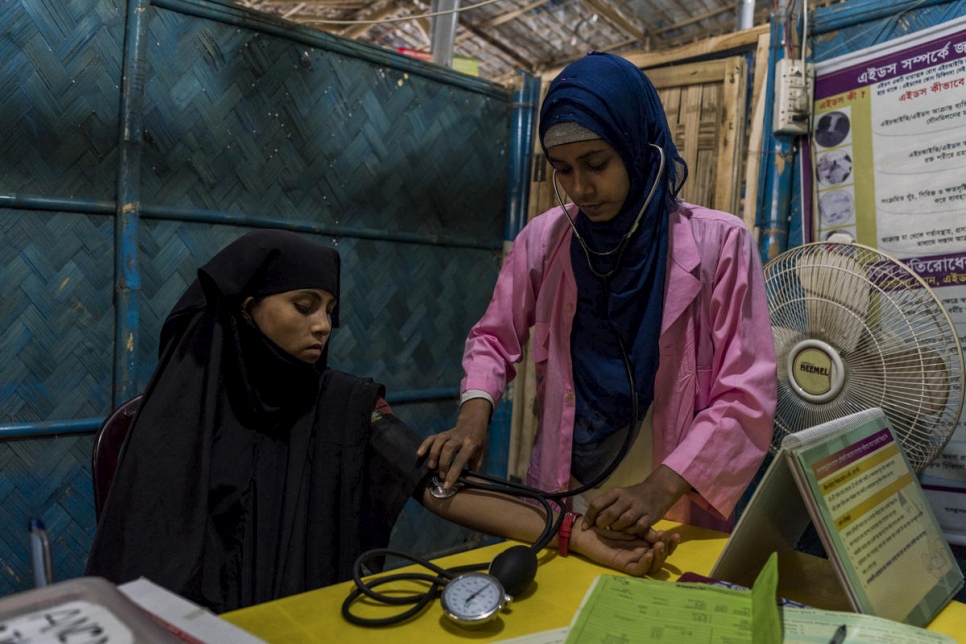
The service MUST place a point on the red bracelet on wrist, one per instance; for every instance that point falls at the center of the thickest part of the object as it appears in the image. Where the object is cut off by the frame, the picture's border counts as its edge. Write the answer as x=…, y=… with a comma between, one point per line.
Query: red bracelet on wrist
x=563, y=535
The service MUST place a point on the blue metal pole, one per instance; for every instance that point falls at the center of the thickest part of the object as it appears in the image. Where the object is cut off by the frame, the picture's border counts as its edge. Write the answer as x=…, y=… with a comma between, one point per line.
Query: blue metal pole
x=87, y=425
x=774, y=201
x=226, y=218
x=49, y=428
x=127, y=277
x=523, y=114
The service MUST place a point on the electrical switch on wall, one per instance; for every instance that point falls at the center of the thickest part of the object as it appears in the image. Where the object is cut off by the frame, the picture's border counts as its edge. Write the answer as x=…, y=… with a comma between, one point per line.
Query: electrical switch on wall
x=794, y=83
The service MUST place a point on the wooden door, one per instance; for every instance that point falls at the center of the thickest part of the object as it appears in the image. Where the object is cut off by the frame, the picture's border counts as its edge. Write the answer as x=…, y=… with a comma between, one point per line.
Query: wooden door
x=705, y=107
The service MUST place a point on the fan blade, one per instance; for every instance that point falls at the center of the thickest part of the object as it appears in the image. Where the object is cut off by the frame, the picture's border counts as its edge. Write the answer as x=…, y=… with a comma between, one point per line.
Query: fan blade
x=837, y=297
x=919, y=378
x=785, y=339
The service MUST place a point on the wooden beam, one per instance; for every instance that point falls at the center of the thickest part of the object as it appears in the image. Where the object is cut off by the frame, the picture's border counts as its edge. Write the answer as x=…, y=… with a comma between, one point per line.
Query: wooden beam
x=690, y=21
x=617, y=19
x=744, y=39
x=503, y=18
x=761, y=17
x=279, y=6
x=561, y=62
x=354, y=31
x=731, y=136
x=425, y=28
x=496, y=44
x=500, y=19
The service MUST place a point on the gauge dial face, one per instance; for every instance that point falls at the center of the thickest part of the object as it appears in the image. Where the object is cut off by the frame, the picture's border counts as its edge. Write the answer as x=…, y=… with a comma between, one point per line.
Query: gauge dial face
x=472, y=598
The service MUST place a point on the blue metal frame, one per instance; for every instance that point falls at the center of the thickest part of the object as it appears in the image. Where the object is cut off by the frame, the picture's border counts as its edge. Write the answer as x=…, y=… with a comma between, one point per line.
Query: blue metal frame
x=776, y=170
x=524, y=114
x=128, y=208
x=88, y=425
x=127, y=276
x=166, y=213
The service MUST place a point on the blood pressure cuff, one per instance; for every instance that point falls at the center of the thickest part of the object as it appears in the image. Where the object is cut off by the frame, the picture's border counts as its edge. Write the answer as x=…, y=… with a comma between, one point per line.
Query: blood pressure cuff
x=395, y=473
x=394, y=468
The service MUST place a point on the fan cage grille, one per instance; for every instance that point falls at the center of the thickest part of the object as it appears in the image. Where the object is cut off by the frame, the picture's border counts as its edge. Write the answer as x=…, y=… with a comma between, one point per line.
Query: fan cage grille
x=895, y=339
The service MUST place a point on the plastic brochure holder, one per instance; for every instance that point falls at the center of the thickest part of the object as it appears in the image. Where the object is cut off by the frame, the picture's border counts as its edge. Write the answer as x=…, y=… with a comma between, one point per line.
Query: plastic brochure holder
x=69, y=610
x=887, y=555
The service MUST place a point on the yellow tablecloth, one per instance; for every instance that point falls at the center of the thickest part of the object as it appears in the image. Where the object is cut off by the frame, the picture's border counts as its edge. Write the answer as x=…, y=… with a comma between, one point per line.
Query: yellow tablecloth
x=561, y=583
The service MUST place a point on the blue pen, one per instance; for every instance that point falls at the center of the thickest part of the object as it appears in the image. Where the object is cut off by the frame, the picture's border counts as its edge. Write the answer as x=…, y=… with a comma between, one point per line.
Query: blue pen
x=839, y=636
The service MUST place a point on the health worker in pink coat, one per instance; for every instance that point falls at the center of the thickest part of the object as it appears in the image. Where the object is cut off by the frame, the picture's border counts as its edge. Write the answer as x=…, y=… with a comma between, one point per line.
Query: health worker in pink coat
x=646, y=317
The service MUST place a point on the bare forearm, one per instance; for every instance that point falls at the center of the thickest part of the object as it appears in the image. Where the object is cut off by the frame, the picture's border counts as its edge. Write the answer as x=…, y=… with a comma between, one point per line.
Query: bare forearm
x=514, y=519
x=673, y=485
x=496, y=514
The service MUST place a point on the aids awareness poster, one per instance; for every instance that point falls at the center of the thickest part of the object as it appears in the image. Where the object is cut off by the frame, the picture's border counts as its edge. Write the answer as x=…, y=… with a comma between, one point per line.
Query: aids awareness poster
x=888, y=155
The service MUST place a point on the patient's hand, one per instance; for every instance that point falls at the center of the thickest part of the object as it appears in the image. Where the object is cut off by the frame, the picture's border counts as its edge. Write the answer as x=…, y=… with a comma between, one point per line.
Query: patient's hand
x=633, y=554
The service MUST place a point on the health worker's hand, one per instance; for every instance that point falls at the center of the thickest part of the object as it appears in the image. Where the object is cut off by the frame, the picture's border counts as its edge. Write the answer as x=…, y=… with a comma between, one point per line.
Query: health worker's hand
x=462, y=445
x=636, y=508
x=624, y=552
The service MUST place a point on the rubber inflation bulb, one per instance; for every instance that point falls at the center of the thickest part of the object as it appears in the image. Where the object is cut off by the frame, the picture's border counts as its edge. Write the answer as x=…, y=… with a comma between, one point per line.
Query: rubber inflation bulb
x=516, y=569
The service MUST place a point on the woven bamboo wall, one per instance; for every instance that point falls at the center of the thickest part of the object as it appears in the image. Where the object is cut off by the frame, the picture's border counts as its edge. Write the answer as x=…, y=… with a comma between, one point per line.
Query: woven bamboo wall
x=241, y=119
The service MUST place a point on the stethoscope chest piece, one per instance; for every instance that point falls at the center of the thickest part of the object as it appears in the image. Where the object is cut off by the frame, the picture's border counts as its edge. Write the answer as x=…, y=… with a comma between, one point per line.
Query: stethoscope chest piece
x=472, y=599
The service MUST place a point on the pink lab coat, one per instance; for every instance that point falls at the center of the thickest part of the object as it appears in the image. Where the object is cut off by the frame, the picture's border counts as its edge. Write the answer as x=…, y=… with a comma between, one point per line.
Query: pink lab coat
x=714, y=397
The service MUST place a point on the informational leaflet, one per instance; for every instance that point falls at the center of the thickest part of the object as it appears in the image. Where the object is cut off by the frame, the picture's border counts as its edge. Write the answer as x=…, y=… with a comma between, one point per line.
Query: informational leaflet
x=888, y=153
x=850, y=477
x=885, y=540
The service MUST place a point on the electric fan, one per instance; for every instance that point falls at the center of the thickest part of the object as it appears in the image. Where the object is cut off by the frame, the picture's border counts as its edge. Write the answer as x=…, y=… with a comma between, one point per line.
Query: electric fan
x=854, y=329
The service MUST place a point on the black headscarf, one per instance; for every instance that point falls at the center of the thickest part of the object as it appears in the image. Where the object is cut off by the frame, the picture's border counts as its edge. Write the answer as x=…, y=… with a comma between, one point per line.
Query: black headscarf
x=614, y=99
x=248, y=474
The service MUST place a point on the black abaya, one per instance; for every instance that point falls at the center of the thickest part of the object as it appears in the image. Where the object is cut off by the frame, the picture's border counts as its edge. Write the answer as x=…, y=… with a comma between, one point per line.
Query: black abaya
x=249, y=475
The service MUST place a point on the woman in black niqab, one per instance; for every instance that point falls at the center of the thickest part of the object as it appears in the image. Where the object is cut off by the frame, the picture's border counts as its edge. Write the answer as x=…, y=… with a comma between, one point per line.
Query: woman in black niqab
x=250, y=474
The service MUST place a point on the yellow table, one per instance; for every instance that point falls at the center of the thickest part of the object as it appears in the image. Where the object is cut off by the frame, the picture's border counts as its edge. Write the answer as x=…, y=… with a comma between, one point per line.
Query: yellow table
x=560, y=585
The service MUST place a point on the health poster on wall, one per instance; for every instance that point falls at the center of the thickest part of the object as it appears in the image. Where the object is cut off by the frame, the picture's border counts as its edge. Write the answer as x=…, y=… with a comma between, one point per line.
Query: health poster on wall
x=888, y=157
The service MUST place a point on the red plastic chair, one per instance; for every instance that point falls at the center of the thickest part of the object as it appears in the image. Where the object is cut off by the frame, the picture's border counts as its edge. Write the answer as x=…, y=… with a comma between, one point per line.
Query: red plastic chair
x=107, y=448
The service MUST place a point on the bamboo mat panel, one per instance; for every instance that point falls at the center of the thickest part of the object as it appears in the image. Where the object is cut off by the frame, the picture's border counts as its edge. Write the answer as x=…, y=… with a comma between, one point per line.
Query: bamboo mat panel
x=248, y=122
x=59, y=97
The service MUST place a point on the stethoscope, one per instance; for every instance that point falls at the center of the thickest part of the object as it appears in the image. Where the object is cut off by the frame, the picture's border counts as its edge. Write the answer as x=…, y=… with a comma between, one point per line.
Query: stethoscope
x=619, y=249
x=470, y=598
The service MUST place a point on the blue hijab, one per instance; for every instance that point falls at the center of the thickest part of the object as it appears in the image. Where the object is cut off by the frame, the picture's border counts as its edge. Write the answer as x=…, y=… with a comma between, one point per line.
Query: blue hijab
x=611, y=97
